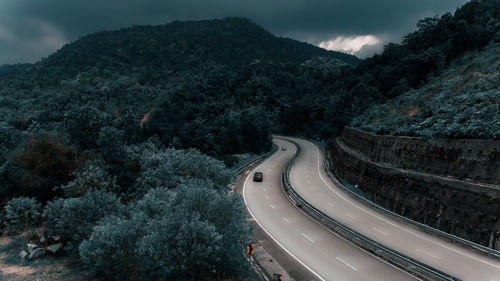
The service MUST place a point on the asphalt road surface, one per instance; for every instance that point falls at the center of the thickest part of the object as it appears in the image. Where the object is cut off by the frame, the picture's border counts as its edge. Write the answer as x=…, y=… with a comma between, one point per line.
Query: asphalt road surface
x=321, y=251
x=310, y=180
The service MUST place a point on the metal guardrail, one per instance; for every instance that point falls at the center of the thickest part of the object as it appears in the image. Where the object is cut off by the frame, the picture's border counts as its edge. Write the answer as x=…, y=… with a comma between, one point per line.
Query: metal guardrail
x=426, y=228
x=237, y=171
x=408, y=264
x=243, y=165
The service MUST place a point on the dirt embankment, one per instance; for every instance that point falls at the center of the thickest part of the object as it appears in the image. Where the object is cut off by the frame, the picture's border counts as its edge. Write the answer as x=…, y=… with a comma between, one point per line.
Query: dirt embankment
x=452, y=185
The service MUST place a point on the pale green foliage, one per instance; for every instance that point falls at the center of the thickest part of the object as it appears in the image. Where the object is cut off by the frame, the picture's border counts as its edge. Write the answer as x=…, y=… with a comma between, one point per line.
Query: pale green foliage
x=91, y=176
x=21, y=212
x=110, y=250
x=169, y=167
x=187, y=233
x=74, y=218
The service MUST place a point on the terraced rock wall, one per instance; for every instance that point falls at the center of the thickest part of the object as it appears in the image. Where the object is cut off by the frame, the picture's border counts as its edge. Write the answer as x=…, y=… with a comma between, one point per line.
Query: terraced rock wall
x=452, y=185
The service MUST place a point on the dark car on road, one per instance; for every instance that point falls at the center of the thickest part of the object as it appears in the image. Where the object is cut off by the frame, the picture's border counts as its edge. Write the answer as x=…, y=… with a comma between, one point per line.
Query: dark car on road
x=258, y=176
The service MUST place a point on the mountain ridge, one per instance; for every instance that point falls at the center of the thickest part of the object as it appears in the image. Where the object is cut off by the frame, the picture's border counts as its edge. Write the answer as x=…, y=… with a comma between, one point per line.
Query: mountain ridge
x=179, y=45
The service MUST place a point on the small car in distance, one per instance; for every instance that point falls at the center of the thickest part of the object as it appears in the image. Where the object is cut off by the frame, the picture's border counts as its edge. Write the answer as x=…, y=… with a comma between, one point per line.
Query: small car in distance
x=283, y=148
x=257, y=176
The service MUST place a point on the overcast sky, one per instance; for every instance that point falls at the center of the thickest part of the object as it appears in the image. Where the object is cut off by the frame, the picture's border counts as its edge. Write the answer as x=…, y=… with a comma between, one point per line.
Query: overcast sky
x=32, y=29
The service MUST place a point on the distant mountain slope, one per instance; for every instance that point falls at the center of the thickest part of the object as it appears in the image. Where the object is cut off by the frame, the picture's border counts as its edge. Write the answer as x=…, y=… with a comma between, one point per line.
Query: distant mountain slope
x=463, y=102
x=182, y=45
x=8, y=71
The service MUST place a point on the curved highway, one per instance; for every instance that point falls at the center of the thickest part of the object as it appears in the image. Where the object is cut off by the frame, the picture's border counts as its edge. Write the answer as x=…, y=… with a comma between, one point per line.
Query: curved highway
x=309, y=179
x=325, y=254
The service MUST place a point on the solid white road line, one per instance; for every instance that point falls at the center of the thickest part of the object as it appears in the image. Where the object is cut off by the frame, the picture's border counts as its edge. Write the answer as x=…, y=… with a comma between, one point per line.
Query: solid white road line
x=344, y=262
x=344, y=239
x=396, y=226
x=269, y=234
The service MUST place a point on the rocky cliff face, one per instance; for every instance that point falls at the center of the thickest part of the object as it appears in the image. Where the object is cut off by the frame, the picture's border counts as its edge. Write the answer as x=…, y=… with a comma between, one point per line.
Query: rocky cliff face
x=452, y=185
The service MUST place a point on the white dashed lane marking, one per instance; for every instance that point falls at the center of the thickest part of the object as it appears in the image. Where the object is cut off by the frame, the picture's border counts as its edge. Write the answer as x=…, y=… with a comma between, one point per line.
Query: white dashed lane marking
x=379, y=231
x=344, y=262
x=349, y=215
x=307, y=238
x=430, y=255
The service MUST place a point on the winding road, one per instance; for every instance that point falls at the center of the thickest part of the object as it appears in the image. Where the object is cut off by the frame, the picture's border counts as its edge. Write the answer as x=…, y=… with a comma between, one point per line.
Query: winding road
x=318, y=249
x=327, y=255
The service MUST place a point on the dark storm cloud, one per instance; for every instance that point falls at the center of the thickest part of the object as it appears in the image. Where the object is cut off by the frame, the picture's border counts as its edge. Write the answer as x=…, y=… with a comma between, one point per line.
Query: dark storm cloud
x=30, y=29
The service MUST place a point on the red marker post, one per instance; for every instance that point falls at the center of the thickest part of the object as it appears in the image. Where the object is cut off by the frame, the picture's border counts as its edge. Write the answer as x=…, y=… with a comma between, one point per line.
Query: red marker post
x=250, y=249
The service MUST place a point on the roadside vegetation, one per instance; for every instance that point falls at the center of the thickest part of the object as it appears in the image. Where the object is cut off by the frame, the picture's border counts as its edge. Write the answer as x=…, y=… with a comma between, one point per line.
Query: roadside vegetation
x=116, y=151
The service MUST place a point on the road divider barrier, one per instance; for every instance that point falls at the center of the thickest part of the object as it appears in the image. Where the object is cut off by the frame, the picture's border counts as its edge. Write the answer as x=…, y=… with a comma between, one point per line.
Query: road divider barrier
x=407, y=264
x=327, y=163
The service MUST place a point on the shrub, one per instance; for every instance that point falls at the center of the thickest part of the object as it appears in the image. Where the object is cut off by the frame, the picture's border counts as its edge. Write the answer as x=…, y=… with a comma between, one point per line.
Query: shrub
x=192, y=232
x=167, y=168
x=110, y=249
x=21, y=212
x=74, y=218
x=92, y=176
x=46, y=163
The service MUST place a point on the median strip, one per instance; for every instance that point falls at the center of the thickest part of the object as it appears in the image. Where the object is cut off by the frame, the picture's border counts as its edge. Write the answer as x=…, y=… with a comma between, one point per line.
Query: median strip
x=401, y=261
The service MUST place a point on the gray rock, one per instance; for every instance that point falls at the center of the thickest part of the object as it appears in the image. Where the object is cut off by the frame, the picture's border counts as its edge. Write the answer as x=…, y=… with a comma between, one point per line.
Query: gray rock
x=31, y=247
x=43, y=240
x=23, y=254
x=54, y=248
x=37, y=253
x=56, y=238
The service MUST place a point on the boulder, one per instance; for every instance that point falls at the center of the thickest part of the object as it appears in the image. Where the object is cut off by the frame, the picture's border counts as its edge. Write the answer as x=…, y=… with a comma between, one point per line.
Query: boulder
x=37, y=253
x=53, y=249
x=23, y=254
x=31, y=247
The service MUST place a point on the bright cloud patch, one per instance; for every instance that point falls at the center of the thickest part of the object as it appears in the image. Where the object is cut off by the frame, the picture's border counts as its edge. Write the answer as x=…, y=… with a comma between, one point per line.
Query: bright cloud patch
x=351, y=44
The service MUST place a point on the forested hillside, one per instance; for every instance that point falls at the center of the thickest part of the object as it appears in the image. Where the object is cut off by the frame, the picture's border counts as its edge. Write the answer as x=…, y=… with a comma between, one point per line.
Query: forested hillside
x=128, y=135
x=463, y=102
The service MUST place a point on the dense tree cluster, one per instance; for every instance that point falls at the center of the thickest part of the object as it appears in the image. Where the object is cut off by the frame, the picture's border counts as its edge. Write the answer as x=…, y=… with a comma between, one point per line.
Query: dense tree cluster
x=188, y=233
x=463, y=102
x=123, y=138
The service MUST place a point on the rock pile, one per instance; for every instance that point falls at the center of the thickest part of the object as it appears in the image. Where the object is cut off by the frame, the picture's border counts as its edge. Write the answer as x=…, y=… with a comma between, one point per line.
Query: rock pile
x=51, y=246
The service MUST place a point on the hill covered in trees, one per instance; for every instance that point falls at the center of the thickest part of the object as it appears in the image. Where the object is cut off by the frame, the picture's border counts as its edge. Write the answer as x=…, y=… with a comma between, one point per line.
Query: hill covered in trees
x=99, y=135
x=462, y=102
x=126, y=136
x=160, y=50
